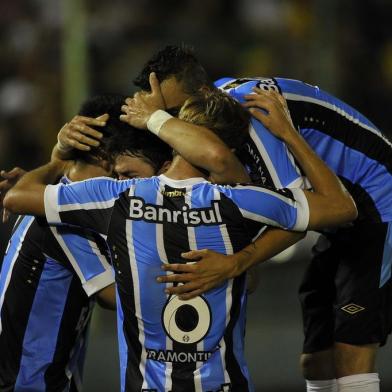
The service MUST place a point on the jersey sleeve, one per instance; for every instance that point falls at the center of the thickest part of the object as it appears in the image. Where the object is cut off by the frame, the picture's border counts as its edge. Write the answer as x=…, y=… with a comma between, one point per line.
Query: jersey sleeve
x=87, y=204
x=283, y=208
x=265, y=156
x=88, y=255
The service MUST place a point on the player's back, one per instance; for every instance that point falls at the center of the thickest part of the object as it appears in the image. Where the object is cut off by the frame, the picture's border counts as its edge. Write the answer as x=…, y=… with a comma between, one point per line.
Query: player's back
x=346, y=140
x=167, y=344
x=178, y=345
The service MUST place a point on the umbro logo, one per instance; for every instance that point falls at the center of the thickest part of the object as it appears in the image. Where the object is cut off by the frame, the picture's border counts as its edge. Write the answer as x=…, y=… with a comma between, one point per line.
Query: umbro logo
x=352, y=308
x=175, y=193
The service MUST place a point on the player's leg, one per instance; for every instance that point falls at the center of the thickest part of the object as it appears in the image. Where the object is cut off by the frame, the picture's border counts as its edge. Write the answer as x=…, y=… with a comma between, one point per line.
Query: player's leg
x=355, y=367
x=354, y=359
x=318, y=365
x=363, y=305
x=317, y=296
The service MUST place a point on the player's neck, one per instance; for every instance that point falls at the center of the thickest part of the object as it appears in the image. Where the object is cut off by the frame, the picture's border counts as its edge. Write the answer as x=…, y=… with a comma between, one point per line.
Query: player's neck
x=180, y=169
x=80, y=171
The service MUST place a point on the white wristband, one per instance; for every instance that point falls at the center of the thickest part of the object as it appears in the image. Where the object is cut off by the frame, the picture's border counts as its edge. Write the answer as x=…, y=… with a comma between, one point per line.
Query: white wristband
x=156, y=120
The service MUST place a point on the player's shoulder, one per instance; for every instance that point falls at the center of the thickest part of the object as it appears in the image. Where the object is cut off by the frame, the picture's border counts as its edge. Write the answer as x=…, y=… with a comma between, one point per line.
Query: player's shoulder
x=295, y=86
x=97, y=187
x=241, y=85
x=230, y=189
x=238, y=87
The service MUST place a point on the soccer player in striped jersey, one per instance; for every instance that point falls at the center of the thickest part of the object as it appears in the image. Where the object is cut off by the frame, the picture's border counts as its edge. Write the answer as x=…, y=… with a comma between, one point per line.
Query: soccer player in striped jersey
x=169, y=344
x=50, y=277
x=347, y=288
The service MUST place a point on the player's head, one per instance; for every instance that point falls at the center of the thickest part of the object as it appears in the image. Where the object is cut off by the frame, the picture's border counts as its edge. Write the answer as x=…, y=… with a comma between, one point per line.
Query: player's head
x=129, y=151
x=138, y=153
x=179, y=72
x=220, y=113
x=95, y=107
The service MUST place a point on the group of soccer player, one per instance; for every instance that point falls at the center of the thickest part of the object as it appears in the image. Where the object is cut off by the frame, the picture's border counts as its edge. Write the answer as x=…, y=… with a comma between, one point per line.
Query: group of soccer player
x=301, y=160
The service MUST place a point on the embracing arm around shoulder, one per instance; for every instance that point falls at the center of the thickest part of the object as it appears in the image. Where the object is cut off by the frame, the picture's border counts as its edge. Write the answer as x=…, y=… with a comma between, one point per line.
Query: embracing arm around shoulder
x=213, y=268
x=197, y=144
x=27, y=196
x=330, y=204
x=203, y=148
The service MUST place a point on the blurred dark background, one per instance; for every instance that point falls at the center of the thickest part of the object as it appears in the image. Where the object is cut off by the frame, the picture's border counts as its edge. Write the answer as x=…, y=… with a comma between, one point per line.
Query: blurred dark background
x=56, y=53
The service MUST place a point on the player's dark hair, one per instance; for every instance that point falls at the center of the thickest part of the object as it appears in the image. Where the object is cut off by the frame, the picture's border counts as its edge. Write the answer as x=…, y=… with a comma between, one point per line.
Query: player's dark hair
x=95, y=107
x=119, y=137
x=177, y=61
x=141, y=144
x=220, y=113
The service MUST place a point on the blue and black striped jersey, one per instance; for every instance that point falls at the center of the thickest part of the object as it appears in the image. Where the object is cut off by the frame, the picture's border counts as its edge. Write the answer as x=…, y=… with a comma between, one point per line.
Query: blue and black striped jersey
x=47, y=280
x=167, y=344
x=346, y=140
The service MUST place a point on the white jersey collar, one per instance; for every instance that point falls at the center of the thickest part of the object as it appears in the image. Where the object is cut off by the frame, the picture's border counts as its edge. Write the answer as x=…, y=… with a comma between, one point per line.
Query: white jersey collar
x=181, y=183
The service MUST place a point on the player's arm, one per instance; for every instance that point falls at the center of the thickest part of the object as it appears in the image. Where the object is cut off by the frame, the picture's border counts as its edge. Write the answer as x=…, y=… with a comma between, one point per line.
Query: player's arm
x=10, y=178
x=106, y=297
x=213, y=268
x=27, y=196
x=330, y=204
x=87, y=204
x=197, y=144
x=78, y=134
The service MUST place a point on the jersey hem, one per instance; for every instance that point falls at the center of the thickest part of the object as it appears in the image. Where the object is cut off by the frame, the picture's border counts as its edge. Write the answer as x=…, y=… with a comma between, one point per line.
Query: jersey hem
x=98, y=282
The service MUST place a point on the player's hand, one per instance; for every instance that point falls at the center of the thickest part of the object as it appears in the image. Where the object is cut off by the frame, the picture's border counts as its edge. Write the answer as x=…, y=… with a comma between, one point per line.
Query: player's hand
x=137, y=110
x=274, y=114
x=78, y=134
x=10, y=178
x=209, y=270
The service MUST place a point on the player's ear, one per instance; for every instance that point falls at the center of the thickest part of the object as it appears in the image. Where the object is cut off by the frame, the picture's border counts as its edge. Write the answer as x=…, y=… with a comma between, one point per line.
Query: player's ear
x=107, y=166
x=164, y=167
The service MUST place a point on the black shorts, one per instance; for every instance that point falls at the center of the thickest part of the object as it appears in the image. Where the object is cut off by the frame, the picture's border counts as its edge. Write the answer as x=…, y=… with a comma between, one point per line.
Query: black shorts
x=346, y=293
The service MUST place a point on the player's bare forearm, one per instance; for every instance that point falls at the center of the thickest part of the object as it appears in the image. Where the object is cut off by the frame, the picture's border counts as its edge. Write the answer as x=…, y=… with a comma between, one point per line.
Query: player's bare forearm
x=268, y=245
x=204, y=149
x=197, y=144
x=10, y=178
x=27, y=196
x=212, y=268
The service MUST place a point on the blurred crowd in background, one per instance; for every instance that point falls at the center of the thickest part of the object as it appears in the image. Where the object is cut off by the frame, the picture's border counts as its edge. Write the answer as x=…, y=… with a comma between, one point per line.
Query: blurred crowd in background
x=342, y=46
